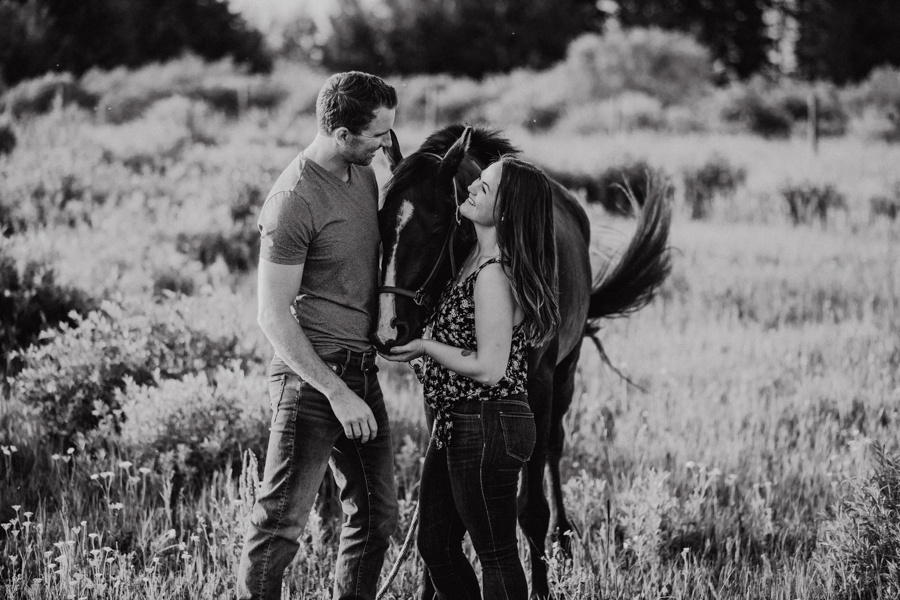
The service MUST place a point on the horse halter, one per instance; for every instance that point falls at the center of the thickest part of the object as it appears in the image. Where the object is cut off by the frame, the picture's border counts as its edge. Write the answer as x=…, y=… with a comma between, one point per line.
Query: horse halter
x=420, y=297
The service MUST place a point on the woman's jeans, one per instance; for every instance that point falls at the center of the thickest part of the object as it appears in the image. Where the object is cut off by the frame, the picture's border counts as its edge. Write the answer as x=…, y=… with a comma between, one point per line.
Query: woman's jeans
x=305, y=437
x=470, y=485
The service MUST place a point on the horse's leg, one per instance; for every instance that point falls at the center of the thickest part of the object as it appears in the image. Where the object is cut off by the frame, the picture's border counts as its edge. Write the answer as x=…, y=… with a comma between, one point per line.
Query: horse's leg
x=535, y=516
x=563, y=389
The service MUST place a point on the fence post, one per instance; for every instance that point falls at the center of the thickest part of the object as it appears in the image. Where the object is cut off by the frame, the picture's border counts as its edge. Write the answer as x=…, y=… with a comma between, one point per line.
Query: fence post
x=812, y=105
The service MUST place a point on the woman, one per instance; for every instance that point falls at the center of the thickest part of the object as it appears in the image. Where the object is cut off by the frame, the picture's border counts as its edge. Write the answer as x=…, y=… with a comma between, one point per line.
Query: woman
x=503, y=299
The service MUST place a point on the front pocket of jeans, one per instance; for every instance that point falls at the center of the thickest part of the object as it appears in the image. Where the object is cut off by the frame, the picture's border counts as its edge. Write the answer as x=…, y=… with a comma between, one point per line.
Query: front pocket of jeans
x=518, y=435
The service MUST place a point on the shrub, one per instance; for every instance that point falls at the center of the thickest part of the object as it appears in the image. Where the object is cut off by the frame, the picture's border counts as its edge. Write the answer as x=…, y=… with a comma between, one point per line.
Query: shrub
x=73, y=378
x=861, y=545
x=670, y=66
x=124, y=95
x=48, y=197
x=751, y=106
x=807, y=201
x=237, y=247
x=884, y=206
x=444, y=98
x=534, y=100
x=205, y=419
x=793, y=97
x=716, y=177
x=610, y=188
x=39, y=96
x=31, y=302
x=626, y=112
x=878, y=98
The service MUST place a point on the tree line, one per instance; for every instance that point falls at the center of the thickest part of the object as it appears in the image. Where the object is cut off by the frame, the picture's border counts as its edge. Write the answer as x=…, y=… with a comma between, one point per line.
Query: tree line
x=836, y=40
x=37, y=36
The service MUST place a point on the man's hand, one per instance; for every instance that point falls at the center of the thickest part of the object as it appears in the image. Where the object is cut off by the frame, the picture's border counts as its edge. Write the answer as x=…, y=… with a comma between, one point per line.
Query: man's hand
x=355, y=416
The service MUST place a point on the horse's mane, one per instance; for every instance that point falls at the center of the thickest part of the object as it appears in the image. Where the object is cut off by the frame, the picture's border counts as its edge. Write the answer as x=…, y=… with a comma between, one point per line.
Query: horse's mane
x=486, y=146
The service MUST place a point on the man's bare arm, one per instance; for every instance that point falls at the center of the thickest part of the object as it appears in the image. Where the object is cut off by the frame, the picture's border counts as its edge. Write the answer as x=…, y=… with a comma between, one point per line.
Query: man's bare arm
x=277, y=290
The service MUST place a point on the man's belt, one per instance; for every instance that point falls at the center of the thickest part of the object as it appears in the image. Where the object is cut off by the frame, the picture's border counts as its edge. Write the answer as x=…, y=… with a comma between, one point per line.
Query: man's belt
x=345, y=360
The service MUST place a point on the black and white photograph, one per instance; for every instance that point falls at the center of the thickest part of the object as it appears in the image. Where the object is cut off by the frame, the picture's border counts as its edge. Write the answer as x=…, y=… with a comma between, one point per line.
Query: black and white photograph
x=449, y=299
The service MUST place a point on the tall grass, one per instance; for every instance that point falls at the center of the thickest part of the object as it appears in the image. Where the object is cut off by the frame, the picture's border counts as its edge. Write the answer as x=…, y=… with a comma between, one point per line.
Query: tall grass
x=771, y=361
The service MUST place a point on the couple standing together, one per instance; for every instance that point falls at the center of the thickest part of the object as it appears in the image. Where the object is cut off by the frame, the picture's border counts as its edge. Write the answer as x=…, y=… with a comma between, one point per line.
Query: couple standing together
x=318, y=274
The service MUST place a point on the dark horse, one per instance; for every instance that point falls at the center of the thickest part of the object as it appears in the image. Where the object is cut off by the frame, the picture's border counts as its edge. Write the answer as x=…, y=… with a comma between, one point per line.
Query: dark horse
x=420, y=241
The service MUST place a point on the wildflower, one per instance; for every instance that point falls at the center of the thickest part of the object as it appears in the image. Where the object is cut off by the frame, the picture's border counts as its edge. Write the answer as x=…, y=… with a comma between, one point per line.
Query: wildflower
x=37, y=581
x=124, y=464
x=110, y=559
x=116, y=506
x=76, y=530
x=185, y=556
x=195, y=538
x=48, y=553
x=13, y=449
x=16, y=507
x=107, y=549
x=144, y=470
x=92, y=535
x=5, y=450
x=28, y=514
x=55, y=457
x=170, y=533
x=690, y=465
x=107, y=474
x=95, y=476
x=5, y=526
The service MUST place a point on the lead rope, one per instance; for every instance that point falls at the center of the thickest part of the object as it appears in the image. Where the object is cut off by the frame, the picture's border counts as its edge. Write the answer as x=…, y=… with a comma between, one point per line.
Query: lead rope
x=404, y=550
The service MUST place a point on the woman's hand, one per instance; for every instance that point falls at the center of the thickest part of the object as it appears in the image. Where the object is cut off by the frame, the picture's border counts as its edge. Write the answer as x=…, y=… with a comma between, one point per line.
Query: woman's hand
x=407, y=352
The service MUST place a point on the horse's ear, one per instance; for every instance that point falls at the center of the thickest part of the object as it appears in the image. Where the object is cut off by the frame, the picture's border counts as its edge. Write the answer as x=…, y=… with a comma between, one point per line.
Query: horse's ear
x=454, y=156
x=393, y=154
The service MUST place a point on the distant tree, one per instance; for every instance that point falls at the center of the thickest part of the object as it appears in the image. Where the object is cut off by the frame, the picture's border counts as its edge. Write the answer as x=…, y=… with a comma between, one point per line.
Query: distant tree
x=355, y=41
x=37, y=36
x=843, y=40
x=734, y=30
x=459, y=37
x=23, y=49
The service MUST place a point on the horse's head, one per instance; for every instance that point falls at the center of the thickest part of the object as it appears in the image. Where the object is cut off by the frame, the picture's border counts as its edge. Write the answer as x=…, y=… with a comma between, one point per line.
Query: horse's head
x=417, y=223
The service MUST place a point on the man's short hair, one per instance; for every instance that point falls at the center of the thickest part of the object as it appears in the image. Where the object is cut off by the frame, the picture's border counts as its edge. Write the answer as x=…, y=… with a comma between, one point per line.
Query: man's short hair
x=350, y=100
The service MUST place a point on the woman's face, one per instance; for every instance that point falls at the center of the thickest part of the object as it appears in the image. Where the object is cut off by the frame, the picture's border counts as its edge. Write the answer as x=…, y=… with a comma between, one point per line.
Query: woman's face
x=479, y=206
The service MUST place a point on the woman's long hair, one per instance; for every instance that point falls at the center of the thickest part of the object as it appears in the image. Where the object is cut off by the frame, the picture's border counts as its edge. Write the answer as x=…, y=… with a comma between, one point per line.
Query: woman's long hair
x=525, y=234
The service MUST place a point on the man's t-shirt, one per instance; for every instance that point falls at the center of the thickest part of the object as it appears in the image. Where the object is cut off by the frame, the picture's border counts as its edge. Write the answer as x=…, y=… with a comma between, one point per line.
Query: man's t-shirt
x=313, y=218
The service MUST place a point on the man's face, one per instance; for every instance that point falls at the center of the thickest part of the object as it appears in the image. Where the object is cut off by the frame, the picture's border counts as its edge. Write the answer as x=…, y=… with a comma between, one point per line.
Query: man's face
x=361, y=149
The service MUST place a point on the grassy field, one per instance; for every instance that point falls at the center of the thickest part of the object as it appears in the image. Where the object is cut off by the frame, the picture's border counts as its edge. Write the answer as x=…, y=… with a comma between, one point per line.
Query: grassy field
x=770, y=360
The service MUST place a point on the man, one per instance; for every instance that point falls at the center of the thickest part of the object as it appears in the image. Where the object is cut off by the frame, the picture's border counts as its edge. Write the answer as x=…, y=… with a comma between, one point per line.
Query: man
x=317, y=295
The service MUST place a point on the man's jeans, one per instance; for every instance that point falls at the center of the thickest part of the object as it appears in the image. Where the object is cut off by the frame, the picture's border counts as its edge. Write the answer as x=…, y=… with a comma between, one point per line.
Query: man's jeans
x=305, y=437
x=470, y=485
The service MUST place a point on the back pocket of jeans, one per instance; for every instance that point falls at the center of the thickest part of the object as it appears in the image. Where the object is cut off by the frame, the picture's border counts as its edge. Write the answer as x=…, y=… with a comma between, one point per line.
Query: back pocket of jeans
x=518, y=434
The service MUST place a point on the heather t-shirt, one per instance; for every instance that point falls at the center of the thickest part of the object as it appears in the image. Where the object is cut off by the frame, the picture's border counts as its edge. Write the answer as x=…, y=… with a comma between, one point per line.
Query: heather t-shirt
x=312, y=217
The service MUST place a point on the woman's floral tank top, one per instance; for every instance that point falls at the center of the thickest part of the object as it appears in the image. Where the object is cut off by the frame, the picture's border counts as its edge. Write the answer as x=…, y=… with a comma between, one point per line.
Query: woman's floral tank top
x=454, y=324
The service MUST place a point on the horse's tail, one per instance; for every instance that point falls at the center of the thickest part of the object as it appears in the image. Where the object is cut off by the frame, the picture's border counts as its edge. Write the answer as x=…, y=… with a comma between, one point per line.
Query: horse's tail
x=630, y=283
